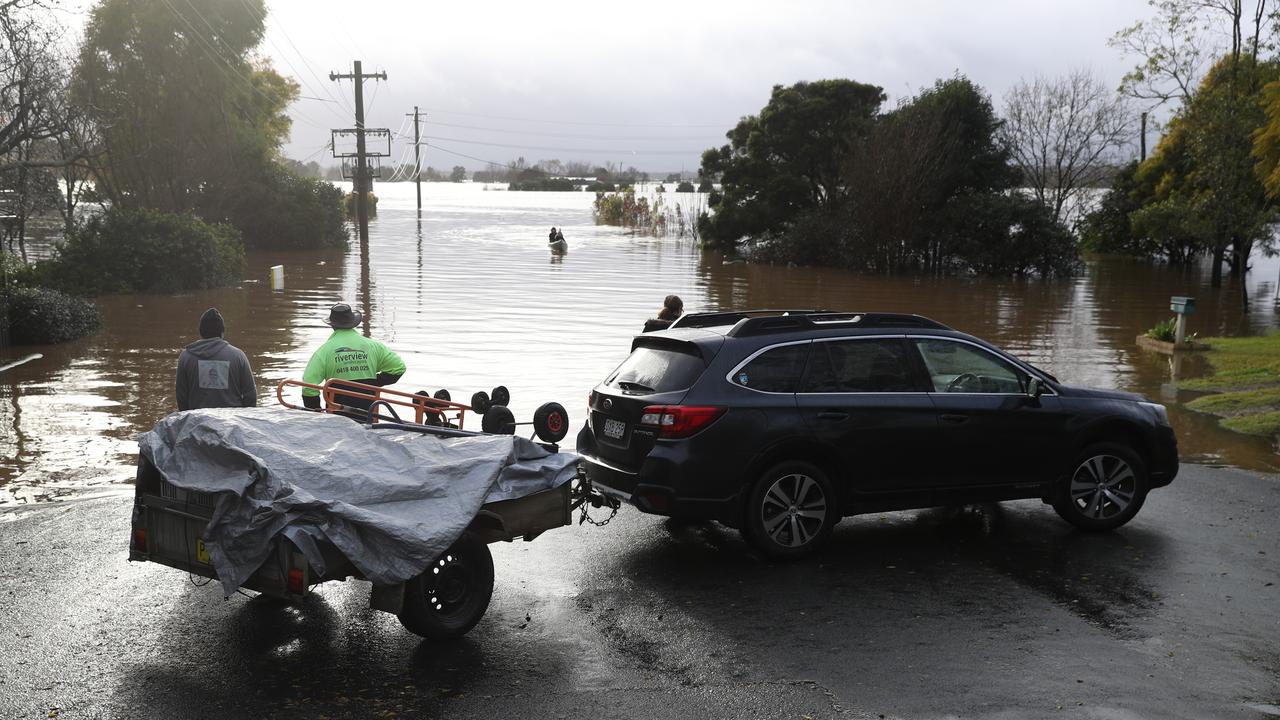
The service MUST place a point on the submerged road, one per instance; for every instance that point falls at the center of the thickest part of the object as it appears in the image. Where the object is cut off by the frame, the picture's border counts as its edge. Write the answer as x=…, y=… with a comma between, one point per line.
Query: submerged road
x=1004, y=613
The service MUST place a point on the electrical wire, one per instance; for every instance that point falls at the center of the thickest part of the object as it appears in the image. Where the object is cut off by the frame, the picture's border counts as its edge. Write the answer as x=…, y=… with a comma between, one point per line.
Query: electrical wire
x=572, y=122
x=569, y=135
x=324, y=86
x=213, y=54
x=597, y=151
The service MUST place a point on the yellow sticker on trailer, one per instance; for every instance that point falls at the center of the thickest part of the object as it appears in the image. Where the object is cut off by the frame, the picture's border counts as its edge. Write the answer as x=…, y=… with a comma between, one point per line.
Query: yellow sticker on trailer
x=202, y=553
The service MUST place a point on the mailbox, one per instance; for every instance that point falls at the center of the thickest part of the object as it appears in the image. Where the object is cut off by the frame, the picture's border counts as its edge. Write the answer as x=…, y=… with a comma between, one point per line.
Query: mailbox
x=1182, y=305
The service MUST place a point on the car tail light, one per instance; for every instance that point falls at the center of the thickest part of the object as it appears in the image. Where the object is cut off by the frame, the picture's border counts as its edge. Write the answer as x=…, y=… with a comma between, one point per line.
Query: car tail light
x=140, y=539
x=679, y=421
x=297, y=582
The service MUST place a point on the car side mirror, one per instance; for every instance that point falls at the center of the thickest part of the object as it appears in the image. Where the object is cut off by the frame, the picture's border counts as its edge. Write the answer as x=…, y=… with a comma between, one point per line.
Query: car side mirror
x=1034, y=388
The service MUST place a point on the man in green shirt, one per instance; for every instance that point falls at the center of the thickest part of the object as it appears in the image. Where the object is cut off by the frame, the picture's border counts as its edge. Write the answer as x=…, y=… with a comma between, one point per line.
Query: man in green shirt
x=348, y=355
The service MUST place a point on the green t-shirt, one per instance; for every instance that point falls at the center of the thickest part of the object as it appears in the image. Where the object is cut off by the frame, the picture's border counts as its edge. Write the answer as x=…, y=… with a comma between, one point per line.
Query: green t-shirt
x=348, y=355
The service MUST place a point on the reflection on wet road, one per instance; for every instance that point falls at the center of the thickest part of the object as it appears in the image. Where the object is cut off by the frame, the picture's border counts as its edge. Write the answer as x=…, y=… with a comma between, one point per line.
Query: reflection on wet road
x=986, y=612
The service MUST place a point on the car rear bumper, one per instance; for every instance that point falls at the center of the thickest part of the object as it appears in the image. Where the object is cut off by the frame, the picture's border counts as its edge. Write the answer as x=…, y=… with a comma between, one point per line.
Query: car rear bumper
x=656, y=498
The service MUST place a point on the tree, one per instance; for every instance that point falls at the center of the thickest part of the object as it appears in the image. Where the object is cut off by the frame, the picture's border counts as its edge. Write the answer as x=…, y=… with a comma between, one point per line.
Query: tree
x=1202, y=172
x=189, y=121
x=1061, y=133
x=786, y=160
x=459, y=174
x=928, y=188
x=183, y=111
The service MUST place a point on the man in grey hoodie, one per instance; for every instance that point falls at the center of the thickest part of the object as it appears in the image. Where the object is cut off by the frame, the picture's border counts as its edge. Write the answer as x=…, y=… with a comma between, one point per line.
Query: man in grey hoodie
x=212, y=372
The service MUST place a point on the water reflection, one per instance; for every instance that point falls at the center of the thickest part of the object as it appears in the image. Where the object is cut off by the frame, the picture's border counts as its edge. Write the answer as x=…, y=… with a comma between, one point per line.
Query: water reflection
x=468, y=294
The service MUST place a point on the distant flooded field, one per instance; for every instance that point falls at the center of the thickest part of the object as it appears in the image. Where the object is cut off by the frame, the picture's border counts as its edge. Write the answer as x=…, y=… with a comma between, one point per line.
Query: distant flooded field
x=470, y=297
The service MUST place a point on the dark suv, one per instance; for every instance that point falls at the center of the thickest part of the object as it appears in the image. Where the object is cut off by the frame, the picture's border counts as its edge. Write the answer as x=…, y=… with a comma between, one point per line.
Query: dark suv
x=781, y=422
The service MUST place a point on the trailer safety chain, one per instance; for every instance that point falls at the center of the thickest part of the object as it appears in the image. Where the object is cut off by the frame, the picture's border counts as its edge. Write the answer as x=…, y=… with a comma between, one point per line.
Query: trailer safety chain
x=586, y=516
x=587, y=495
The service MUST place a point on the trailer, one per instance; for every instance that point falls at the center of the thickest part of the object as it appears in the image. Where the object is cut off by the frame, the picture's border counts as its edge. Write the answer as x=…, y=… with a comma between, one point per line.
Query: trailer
x=445, y=598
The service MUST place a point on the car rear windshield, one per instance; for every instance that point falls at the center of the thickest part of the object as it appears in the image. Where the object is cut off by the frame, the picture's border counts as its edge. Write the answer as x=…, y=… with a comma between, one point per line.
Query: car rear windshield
x=656, y=370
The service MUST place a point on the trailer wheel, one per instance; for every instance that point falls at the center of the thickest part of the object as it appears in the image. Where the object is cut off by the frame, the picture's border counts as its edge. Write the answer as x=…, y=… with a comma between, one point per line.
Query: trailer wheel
x=551, y=422
x=499, y=420
x=500, y=395
x=480, y=402
x=451, y=596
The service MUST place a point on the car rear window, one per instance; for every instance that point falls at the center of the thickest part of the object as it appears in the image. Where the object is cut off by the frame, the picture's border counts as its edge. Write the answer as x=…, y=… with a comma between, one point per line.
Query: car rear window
x=656, y=370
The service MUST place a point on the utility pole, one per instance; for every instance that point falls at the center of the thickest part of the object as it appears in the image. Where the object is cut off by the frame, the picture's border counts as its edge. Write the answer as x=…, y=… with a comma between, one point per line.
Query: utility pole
x=417, y=160
x=361, y=177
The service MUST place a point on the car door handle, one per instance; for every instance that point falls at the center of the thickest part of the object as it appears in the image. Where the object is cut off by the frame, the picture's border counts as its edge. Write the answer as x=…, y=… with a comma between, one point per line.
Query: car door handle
x=833, y=415
x=952, y=418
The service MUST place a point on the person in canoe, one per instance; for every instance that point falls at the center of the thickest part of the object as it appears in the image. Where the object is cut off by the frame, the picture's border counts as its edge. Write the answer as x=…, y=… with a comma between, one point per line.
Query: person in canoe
x=556, y=241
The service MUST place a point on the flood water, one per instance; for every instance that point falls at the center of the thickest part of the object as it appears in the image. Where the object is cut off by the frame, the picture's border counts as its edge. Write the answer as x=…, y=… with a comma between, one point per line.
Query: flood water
x=469, y=296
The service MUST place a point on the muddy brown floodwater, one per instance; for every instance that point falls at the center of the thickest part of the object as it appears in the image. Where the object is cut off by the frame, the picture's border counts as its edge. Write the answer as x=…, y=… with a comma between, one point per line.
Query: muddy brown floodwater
x=470, y=297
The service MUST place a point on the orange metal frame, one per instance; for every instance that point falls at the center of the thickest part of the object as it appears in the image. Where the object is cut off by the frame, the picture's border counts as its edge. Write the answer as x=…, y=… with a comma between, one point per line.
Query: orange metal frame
x=421, y=405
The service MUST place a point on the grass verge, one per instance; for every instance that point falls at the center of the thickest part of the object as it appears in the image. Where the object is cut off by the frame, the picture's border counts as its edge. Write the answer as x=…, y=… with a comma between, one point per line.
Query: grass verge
x=1246, y=376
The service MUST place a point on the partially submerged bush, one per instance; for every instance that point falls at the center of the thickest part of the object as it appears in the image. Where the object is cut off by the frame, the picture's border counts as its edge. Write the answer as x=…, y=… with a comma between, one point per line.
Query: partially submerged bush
x=1163, y=330
x=40, y=316
x=289, y=211
x=125, y=251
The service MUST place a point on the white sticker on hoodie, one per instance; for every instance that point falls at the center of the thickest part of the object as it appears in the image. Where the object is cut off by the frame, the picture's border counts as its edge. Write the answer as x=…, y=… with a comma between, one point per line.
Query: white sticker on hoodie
x=215, y=374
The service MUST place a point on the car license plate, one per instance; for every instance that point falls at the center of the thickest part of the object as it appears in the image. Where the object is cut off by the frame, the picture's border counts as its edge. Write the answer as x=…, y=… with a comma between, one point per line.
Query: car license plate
x=614, y=428
x=202, y=553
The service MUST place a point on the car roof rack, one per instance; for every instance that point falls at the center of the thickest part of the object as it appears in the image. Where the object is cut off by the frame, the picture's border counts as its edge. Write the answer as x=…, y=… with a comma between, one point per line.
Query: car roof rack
x=764, y=322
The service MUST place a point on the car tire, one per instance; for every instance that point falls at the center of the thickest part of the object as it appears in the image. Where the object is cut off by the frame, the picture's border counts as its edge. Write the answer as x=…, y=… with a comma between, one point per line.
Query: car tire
x=790, y=511
x=451, y=595
x=1105, y=487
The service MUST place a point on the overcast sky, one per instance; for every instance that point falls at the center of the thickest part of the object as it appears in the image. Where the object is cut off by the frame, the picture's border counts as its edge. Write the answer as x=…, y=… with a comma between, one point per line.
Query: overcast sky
x=649, y=84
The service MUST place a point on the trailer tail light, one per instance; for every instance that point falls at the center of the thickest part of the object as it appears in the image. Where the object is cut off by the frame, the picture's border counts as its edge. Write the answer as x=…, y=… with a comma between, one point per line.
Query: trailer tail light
x=679, y=421
x=140, y=540
x=297, y=581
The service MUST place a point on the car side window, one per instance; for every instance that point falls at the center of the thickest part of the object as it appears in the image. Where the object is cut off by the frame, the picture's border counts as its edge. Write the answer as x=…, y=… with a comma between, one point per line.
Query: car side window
x=956, y=367
x=777, y=370
x=859, y=366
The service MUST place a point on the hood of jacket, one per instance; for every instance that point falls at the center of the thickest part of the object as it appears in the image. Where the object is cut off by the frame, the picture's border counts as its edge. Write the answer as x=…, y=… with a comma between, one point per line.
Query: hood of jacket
x=207, y=348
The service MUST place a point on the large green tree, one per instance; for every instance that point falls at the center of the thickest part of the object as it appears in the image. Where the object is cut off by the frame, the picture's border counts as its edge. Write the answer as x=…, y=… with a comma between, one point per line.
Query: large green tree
x=787, y=160
x=1200, y=187
x=189, y=119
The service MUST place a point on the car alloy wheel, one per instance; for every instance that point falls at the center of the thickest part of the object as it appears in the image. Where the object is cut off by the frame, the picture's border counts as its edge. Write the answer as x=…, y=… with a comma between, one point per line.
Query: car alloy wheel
x=794, y=510
x=1106, y=488
x=1103, y=487
x=791, y=510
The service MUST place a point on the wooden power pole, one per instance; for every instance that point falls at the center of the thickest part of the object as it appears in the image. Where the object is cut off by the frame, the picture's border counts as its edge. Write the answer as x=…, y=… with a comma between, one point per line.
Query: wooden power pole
x=417, y=159
x=361, y=177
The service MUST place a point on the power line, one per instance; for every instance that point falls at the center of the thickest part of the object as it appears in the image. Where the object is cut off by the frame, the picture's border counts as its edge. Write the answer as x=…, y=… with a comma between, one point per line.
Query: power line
x=323, y=87
x=571, y=135
x=341, y=100
x=572, y=122
x=213, y=54
x=598, y=151
x=472, y=157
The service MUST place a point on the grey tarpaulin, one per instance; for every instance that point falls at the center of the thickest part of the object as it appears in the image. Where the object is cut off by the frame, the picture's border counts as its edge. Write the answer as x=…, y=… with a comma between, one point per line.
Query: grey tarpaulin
x=390, y=501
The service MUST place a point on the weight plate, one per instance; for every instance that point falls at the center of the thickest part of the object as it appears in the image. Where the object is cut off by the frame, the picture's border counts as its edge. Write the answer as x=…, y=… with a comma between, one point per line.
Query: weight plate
x=500, y=396
x=498, y=419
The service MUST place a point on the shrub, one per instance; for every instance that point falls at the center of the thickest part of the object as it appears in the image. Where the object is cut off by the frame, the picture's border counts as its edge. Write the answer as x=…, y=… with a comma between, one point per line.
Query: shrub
x=289, y=211
x=40, y=316
x=685, y=186
x=146, y=251
x=1164, y=330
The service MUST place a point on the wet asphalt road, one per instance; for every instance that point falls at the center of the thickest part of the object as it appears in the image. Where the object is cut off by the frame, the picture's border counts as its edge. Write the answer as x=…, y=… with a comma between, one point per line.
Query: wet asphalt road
x=994, y=614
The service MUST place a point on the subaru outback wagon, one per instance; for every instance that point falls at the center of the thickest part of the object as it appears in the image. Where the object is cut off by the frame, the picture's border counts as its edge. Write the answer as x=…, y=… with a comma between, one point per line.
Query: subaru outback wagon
x=780, y=423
